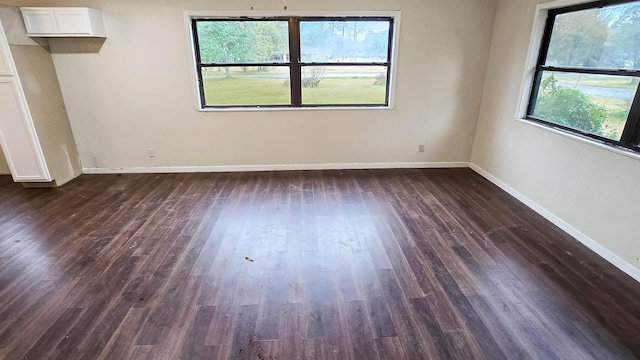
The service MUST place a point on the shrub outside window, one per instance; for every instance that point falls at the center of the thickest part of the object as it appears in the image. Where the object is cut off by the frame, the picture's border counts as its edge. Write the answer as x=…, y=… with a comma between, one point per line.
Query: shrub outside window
x=588, y=72
x=293, y=61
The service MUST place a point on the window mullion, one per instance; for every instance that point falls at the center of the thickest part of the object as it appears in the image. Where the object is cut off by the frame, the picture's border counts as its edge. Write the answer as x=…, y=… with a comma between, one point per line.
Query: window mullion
x=295, y=70
x=592, y=71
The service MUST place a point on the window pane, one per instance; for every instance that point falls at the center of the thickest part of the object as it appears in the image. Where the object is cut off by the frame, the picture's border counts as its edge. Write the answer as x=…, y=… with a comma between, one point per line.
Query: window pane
x=252, y=85
x=340, y=85
x=597, y=104
x=344, y=41
x=243, y=41
x=604, y=37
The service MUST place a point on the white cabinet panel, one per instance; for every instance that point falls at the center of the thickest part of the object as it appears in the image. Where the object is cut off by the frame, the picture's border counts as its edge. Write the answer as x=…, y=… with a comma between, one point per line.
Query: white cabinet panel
x=6, y=64
x=5, y=69
x=18, y=136
x=63, y=22
x=40, y=21
x=73, y=21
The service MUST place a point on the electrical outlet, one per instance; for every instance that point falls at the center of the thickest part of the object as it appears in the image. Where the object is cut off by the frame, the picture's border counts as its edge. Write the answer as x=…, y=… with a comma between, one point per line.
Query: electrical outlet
x=421, y=148
x=151, y=153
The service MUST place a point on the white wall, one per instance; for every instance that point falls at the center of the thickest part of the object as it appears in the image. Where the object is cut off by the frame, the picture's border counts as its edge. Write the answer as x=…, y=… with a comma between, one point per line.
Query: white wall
x=136, y=92
x=592, y=189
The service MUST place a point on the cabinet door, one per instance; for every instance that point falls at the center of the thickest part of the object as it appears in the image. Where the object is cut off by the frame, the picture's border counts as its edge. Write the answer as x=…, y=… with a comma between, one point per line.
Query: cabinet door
x=73, y=21
x=40, y=21
x=18, y=136
x=6, y=64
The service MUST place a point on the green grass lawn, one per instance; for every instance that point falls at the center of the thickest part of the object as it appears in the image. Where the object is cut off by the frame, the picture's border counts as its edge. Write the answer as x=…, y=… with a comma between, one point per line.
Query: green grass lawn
x=238, y=71
x=612, y=82
x=252, y=91
x=345, y=91
x=265, y=91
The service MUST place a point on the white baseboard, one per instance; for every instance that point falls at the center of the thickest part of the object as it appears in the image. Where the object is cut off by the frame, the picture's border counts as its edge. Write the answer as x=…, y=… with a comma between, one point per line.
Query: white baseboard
x=241, y=168
x=605, y=253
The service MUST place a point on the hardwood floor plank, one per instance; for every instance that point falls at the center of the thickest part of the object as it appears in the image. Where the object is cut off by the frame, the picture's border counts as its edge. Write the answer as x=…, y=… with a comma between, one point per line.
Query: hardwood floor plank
x=99, y=338
x=196, y=335
x=362, y=344
x=53, y=335
x=390, y=348
x=413, y=342
x=291, y=332
x=244, y=336
x=275, y=293
x=26, y=312
x=220, y=331
x=428, y=321
x=123, y=340
x=264, y=350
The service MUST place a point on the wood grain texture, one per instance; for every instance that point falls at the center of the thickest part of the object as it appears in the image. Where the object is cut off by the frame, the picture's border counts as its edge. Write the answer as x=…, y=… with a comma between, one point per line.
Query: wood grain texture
x=360, y=264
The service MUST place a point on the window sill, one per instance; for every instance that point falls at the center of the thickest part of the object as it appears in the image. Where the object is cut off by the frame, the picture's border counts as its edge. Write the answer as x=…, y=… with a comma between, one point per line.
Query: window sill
x=318, y=108
x=618, y=150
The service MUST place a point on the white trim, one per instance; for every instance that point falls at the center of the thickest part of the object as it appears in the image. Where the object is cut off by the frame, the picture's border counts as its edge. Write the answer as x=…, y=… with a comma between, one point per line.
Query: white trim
x=281, y=167
x=195, y=85
x=208, y=14
x=395, y=49
x=537, y=32
x=603, y=252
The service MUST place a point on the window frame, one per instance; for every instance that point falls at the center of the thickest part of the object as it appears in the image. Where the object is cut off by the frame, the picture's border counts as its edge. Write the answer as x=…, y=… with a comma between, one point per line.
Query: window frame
x=200, y=65
x=630, y=138
x=295, y=64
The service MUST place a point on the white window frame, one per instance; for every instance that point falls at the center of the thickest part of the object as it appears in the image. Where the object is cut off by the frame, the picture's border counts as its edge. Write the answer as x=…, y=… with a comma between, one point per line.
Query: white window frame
x=206, y=14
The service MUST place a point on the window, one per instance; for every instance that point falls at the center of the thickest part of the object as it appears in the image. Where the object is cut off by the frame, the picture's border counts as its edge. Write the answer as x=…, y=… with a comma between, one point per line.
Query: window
x=588, y=71
x=293, y=61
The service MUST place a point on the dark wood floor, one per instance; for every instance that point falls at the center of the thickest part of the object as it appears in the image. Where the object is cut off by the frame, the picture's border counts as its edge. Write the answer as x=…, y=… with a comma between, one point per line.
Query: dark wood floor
x=393, y=264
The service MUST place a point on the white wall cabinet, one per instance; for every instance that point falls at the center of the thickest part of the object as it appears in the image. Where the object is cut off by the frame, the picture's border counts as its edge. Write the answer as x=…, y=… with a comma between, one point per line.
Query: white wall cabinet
x=63, y=22
x=18, y=137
